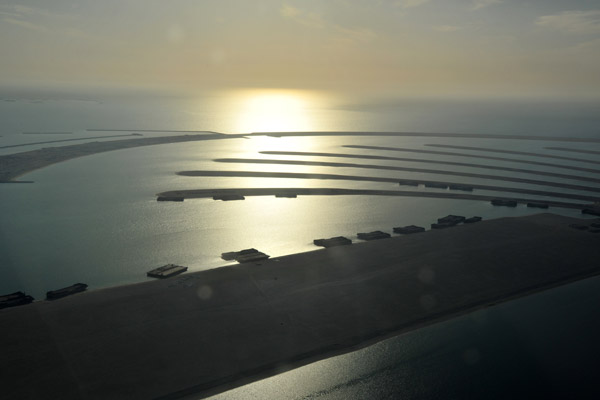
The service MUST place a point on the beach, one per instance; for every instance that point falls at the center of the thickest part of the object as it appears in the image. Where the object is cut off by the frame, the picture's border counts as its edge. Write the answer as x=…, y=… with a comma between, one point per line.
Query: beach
x=208, y=331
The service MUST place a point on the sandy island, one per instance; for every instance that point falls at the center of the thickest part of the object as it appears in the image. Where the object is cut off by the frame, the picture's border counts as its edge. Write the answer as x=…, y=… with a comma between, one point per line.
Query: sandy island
x=408, y=169
x=205, y=332
x=359, y=178
x=521, y=153
x=466, y=155
x=14, y=165
x=212, y=193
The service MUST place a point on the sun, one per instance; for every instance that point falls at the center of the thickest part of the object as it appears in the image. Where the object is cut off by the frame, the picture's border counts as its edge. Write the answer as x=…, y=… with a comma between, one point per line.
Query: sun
x=274, y=111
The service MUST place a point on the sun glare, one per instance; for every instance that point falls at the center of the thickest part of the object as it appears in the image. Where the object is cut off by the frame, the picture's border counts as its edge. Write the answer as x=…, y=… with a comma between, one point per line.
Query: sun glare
x=274, y=111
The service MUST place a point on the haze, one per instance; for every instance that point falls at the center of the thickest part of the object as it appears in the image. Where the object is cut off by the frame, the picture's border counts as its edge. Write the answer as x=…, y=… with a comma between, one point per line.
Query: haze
x=408, y=47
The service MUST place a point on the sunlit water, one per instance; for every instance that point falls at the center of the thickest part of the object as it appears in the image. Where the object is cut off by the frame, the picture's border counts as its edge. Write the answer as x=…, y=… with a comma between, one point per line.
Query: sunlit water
x=96, y=219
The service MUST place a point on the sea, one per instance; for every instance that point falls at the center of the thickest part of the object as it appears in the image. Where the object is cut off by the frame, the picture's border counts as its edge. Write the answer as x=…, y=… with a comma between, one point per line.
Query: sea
x=96, y=220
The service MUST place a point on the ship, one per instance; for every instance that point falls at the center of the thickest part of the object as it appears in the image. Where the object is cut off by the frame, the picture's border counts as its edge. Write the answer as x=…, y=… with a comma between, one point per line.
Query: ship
x=67, y=291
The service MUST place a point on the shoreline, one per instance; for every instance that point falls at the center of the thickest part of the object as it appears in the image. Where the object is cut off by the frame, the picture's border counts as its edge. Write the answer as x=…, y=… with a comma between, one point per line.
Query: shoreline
x=15, y=165
x=210, y=193
x=217, y=329
x=406, y=169
x=396, y=181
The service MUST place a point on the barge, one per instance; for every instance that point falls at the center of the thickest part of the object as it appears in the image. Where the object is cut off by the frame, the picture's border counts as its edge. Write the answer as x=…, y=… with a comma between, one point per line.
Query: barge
x=166, y=271
x=67, y=291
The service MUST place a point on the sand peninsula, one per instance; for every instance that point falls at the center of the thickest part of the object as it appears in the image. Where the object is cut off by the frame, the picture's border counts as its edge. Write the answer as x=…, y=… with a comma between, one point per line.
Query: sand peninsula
x=14, y=165
x=520, y=153
x=359, y=178
x=428, y=161
x=467, y=155
x=408, y=169
x=240, y=193
x=209, y=331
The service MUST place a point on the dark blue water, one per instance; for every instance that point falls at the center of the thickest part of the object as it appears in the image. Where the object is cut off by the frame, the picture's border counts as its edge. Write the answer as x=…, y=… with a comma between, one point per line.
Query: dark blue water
x=541, y=346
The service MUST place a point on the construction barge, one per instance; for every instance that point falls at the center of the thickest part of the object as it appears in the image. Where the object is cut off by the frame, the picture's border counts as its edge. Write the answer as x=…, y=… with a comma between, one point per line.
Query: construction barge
x=14, y=299
x=166, y=271
x=375, y=235
x=332, y=242
x=245, y=256
x=409, y=229
x=67, y=291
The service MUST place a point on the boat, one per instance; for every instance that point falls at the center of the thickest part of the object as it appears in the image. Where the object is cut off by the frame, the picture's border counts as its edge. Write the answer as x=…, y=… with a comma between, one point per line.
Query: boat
x=537, y=205
x=504, y=202
x=332, y=242
x=67, y=291
x=436, y=185
x=472, y=220
x=229, y=197
x=451, y=219
x=14, y=299
x=166, y=271
x=375, y=235
x=410, y=229
x=408, y=183
x=245, y=256
x=169, y=198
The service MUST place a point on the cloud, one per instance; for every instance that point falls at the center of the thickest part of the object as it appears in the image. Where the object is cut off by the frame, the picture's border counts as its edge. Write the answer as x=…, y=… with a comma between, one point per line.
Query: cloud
x=362, y=35
x=289, y=11
x=410, y=3
x=25, y=24
x=479, y=4
x=31, y=18
x=447, y=28
x=316, y=21
x=574, y=22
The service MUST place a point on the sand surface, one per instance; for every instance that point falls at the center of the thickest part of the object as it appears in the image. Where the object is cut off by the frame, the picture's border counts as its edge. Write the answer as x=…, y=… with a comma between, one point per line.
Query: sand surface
x=14, y=165
x=208, y=193
x=479, y=156
x=207, y=331
x=358, y=178
x=521, y=153
x=408, y=169
x=431, y=134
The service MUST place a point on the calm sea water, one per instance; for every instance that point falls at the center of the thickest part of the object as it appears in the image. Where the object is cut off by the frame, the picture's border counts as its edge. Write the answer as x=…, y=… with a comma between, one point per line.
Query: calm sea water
x=541, y=346
x=96, y=219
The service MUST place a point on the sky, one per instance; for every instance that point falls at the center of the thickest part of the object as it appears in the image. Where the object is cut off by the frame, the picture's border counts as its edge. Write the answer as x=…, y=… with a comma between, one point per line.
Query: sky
x=434, y=47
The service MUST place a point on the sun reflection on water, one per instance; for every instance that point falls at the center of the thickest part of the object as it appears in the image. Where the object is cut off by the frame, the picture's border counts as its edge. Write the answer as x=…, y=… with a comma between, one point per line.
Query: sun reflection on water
x=269, y=110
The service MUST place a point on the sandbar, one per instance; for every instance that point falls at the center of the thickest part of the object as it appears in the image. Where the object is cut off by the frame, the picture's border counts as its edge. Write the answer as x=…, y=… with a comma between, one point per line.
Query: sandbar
x=408, y=169
x=14, y=165
x=429, y=161
x=247, y=192
x=521, y=153
x=575, y=151
x=453, y=154
x=64, y=140
x=208, y=331
x=430, y=134
x=359, y=178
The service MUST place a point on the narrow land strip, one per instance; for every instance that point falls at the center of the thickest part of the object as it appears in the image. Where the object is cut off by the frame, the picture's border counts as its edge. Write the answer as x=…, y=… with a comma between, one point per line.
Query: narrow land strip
x=64, y=140
x=407, y=169
x=298, y=175
x=429, y=134
x=521, y=153
x=209, y=193
x=429, y=161
x=14, y=165
x=452, y=154
x=575, y=151
x=208, y=331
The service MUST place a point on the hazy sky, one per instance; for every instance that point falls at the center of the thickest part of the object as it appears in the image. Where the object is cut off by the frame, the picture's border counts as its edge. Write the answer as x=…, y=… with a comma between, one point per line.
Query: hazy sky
x=408, y=46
